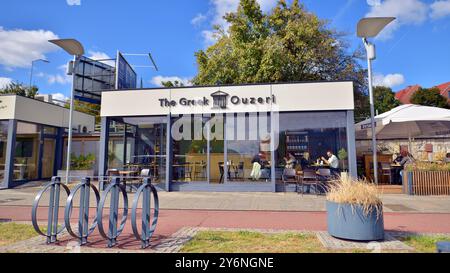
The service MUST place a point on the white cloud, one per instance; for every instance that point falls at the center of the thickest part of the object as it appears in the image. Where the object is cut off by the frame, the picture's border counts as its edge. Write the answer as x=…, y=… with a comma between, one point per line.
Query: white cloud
x=373, y=2
x=73, y=2
x=18, y=47
x=4, y=82
x=197, y=20
x=440, y=9
x=219, y=8
x=390, y=80
x=98, y=55
x=59, y=97
x=59, y=79
x=407, y=12
x=209, y=37
x=158, y=79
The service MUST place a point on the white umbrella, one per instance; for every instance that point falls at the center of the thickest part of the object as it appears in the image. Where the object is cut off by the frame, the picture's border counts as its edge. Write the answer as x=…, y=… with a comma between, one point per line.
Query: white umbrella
x=407, y=121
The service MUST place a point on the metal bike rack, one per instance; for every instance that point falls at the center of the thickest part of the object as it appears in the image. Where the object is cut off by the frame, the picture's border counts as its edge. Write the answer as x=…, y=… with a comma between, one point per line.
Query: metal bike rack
x=147, y=230
x=83, y=218
x=53, y=209
x=113, y=232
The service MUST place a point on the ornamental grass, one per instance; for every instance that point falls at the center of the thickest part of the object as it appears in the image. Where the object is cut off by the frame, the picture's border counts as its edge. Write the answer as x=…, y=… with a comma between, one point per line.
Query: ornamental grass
x=356, y=192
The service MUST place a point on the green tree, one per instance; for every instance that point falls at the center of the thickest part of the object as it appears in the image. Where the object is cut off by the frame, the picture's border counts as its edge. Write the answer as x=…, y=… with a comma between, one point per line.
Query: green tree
x=172, y=83
x=285, y=45
x=19, y=89
x=87, y=108
x=384, y=99
x=429, y=97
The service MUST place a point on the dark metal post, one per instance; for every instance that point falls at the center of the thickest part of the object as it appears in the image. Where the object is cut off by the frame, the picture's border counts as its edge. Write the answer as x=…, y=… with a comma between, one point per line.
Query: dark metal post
x=103, y=151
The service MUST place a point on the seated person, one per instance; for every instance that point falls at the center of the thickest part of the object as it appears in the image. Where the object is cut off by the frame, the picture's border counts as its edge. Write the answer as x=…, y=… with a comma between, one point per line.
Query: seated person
x=290, y=161
x=333, y=162
x=398, y=158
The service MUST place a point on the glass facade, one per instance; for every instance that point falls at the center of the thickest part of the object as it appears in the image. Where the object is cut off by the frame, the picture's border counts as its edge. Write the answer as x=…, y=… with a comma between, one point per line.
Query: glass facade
x=3, y=143
x=26, y=157
x=137, y=144
x=229, y=149
x=304, y=138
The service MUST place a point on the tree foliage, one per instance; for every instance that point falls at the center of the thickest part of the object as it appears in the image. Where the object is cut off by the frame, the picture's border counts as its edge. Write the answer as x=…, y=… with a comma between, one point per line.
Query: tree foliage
x=384, y=99
x=285, y=45
x=429, y=97
x=172, y=83
x=20, y=90
x=87, y=108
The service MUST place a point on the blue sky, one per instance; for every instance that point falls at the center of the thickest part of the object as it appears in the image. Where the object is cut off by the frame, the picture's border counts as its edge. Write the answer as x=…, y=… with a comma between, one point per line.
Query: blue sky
x=414, y=50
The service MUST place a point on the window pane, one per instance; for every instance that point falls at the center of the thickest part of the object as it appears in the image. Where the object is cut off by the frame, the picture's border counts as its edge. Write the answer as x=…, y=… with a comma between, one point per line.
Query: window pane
x=26, y=151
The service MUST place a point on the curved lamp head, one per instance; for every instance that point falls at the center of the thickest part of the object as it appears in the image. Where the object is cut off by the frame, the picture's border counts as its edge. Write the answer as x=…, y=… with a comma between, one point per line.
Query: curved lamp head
x=371, y=26
x=71, y=46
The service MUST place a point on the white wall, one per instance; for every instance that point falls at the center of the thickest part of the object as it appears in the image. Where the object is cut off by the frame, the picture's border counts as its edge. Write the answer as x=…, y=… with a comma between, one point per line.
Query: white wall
x=321, y=96
x=30, y=110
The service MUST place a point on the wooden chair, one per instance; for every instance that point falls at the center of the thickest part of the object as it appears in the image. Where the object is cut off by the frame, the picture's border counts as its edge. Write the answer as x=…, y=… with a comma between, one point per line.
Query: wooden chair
x=289, y=177
x=309, y=178
x=386, y=171
x=239, y=171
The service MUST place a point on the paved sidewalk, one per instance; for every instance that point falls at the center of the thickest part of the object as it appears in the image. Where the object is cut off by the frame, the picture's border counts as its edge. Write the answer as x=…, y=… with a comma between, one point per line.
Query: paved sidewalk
x=249, y=201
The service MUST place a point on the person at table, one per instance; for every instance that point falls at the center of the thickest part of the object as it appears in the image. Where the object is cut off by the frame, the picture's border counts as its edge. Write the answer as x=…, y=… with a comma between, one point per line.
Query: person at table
x=289, y=161
x=407, y=159
x=398, y=158
x=333, y=162
x=256, y=167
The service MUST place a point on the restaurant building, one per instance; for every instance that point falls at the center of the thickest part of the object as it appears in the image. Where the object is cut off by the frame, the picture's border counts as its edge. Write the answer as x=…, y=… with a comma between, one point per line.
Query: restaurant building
x=207, y=138
x=31, y=134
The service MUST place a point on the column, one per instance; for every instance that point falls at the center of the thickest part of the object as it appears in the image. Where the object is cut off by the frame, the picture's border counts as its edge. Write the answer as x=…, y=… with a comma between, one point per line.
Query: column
x=351, y=146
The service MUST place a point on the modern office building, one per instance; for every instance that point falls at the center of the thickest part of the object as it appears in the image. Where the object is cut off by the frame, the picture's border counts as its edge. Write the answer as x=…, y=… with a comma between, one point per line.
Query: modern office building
x=208, y=138
x=31, y=134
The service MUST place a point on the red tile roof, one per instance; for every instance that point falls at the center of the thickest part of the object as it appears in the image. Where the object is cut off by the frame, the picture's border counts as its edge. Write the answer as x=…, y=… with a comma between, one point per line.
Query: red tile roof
x=445, y=89
x=404, y=96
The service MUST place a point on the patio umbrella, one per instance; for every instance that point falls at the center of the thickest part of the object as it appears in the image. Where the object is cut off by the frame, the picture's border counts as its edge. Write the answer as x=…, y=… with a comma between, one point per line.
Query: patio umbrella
x=407, y=121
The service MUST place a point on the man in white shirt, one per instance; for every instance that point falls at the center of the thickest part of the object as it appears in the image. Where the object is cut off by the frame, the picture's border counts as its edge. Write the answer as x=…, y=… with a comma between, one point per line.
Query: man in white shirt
x=333, y=162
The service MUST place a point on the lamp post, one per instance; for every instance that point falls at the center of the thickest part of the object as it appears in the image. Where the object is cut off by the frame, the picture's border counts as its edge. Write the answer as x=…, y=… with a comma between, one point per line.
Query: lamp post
x=74, y=48
x=32, y=65
x=366, y=28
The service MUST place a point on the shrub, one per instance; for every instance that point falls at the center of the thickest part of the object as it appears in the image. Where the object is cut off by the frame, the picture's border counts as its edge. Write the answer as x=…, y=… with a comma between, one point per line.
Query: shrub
x=82, y=162
x=428, y=166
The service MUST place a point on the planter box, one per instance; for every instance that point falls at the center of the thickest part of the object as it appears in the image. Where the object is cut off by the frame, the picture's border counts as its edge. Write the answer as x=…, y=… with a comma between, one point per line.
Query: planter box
x=75, y=175
x=426, y=182
x=350, y=223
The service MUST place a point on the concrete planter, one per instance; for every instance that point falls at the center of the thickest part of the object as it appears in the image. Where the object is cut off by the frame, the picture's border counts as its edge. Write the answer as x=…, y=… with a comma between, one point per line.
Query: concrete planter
x=75, y=175
x=350, y=223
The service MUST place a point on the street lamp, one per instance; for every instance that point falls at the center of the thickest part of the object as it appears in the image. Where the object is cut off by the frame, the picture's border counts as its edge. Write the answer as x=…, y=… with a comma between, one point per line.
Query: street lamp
x=367, y=28
x=74, y=48
x=32, y=65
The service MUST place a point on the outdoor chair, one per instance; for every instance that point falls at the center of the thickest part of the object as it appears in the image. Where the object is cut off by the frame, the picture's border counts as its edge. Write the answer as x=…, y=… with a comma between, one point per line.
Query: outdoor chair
x=188, y=172
x=239, y=171
x=386, y=171
x=310, y=179
x=105, y=180
x=137, y=181
x=200, y=170
x=221, y=171
x=289, y=177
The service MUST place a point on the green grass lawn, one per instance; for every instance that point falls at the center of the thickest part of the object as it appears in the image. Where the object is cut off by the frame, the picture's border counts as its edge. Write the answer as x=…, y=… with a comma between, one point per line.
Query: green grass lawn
x=255, y=242
x=424, y=243
x=13, y=232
